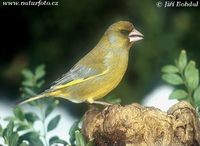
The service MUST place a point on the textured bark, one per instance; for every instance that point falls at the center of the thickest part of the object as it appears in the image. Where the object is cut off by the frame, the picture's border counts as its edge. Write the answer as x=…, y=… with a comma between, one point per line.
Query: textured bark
x=135, y=125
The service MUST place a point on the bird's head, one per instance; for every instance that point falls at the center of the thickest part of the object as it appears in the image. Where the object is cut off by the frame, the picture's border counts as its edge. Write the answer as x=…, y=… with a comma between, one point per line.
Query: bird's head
x=123, y=32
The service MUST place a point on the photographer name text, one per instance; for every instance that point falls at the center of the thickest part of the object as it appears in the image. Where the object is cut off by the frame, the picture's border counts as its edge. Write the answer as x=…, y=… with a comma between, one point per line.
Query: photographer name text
x=169, y=4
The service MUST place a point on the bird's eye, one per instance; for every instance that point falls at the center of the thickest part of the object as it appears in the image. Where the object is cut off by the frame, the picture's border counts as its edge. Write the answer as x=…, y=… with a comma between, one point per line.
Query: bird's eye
x=124, y=32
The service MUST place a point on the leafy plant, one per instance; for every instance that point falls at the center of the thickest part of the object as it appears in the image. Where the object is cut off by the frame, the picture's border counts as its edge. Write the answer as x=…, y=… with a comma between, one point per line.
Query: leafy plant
x=20, y=129
x=184, y=75
x=76, y=137
x=23, y=122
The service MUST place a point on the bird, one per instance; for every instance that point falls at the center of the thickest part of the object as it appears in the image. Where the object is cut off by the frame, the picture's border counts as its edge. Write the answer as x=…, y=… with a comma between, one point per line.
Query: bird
x=99, y=71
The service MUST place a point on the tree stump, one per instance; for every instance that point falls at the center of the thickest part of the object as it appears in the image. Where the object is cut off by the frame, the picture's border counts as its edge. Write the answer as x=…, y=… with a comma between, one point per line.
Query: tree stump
x=136, y=125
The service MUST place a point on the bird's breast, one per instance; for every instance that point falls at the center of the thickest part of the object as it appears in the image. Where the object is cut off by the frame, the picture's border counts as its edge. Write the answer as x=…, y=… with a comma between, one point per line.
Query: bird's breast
x=116, y=61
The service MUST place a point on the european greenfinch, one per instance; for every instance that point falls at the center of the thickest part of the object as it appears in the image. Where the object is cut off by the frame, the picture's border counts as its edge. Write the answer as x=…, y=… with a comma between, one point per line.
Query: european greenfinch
x=99, y=71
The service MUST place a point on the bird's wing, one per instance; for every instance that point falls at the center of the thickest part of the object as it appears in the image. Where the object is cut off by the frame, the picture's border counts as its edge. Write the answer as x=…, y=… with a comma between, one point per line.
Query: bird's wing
x=77, y=74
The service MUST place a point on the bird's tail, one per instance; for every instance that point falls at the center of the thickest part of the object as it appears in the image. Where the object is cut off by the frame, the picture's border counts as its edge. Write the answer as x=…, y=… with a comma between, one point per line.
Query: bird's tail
x=39, y=96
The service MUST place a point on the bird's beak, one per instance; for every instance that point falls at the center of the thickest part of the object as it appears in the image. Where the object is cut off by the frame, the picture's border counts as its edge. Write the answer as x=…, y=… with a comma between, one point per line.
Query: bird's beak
x=135, y=35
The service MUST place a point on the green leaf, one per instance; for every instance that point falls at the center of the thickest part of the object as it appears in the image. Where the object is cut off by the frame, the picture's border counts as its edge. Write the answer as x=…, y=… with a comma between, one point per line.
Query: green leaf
x=90, y=143
x=192, y=75
x=22, y=127
x=19, y=113
x=31, y=117
x=13, y=139
x=57, y=140
x=40, y=84
x=8, y=130
x=53, y=123
x=51, y=106
x=33, y=138
x=27, y=74
x=28, y=83
x=178, y=94
x=173, y=79
x=170, y=69
x=29, y=91
x=53, y=140
x=80, y=140
x=72, y=130
x=112, y=99
x=1, y=130
x=197, y=96
x=23, y=144
x=9, y=118
x=40, y=72
x=182, y=60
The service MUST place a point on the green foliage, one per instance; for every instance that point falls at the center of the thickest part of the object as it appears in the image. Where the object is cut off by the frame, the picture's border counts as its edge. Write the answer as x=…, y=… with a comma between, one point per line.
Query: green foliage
x=178, y=94
x=112, y=99
x=170, y=69
x=31, y=117
x=20, y=129
x=53, y=123
x=191, y=76
x=183, y=73
x=57, y=140
x=182, y=60
x=76, y=137
x=23, y=144
x=1, y=130
x=80, y=140
x=32, y=81
x=51, y=107
x=19, y=113
x=33, y=138
x=173, y=79
x=7, y=132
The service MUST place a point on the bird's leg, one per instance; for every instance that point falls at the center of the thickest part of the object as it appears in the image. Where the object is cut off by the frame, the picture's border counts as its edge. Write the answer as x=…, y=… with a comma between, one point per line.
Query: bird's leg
x=102, y=103
x=91, y=101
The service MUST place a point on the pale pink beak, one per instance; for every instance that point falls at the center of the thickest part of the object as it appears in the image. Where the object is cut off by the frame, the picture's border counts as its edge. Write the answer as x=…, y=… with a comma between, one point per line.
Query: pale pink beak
x=135, y=35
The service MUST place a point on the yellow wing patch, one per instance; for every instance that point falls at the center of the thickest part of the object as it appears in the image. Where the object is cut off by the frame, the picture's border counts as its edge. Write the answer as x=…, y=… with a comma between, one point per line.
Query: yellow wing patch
x=77, y=81
x=69, y=84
